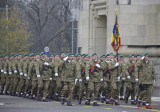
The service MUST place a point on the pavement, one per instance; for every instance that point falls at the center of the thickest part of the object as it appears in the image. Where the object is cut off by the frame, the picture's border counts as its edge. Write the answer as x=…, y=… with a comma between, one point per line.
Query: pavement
x=18, y=104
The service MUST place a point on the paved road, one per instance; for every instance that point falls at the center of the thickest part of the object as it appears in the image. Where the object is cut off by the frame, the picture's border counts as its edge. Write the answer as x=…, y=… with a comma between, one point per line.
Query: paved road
x=17, y=104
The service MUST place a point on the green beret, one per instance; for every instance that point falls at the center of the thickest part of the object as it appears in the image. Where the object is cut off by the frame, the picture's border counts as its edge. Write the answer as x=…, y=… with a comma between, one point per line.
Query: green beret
x=145, y=54
x=42, y=53
x=107, y=55
x=25, y=55
x=56, y=54
x=62, y=52
x=78, y=54
x=19, y=54
x=6, y=55
x=93, y=54
x=121, y=56
x=31, y=54
x=138, y=55
x=36, y=54
x=102, y=56
x=11, y=55
x=131, y=55
x=51, y=54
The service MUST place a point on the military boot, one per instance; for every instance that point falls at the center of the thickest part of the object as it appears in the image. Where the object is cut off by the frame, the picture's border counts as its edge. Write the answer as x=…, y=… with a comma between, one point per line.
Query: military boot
x=133, y=102
x=139, y=103
x=38, y=97
x=1, y=93
x=107, y=101
x=111, y=101
x=95, y=103
x=87, y=102
x=102, y=99
x=126, y=99
x=69, y=103
x=62, y=100
x=117, y=103
x=143, y=103
x=80, y=100
x=44, y=99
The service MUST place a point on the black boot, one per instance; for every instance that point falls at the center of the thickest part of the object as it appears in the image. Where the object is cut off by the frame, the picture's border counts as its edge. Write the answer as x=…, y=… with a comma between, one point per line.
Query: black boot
x=80, y=100
x=111, y=101
x=126, y=99
x=95, y=103
x=87, y=102
x=62, y=100
x=69, y=103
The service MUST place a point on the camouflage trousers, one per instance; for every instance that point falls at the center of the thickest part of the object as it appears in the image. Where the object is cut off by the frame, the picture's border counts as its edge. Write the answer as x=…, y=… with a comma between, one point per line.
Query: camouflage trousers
x=115, y=89
x=3, y=82
x=43, y=85
x=21, y=85
x=93, y=87
x=52, y=86
x=34, y=87
x=58, y=85
x=130, y=90
x=105, y=89
x=28, y=86
x=8, y=83
x=146, y=93
x=122, y=88
x=15, y=83
x=68, y=89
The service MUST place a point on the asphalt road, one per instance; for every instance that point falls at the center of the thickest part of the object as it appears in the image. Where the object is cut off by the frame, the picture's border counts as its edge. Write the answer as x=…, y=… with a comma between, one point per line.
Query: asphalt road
x=18, y=104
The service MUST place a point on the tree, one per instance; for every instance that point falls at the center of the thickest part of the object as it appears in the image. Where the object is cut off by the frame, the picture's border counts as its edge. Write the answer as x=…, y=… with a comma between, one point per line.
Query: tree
x=13, y=34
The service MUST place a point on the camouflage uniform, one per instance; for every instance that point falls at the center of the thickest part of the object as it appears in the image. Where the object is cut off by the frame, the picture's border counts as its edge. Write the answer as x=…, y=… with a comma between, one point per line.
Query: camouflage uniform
x=6, y=76
x=146, y=79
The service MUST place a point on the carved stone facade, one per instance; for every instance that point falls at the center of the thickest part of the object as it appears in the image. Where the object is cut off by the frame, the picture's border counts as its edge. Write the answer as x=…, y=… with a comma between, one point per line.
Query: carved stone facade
x=139, y=23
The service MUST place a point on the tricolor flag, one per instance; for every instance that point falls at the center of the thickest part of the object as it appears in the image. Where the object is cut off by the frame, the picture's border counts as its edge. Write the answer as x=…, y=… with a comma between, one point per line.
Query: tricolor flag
x=116, y=43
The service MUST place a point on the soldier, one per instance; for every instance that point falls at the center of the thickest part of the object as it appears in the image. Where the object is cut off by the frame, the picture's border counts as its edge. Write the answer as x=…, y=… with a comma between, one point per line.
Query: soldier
x=5, y=79
x=1, y=73
x=117, y=72
x=146, y=79
x=93, y=76
x=106, y=80
x=132, y=79
x=70, y=74
x=123, y=78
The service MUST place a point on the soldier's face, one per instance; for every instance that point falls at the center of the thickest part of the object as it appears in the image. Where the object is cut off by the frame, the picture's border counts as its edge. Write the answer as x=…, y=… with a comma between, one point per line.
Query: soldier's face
x=78, y=57
x=94, y=57
x=146, y=58
x=107, y=58
x=56, y=57
x=111, y=56
x=52, y=57
x=37, y=57
x=6, y=57
x=102, y=58
x=131, y=58
x=121, y=59
x=20, y=57
x=63, y=55
x=138, y=58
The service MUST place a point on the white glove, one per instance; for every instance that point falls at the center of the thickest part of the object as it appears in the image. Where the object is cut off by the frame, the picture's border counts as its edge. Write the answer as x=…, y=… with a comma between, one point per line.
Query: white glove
x=142, y=58
x=97, y=65
x=56, y=74
x=101, y=79
x=15, y=71
x=28, y=77
x=128, y=77
x=154, y=81
x=76, y=81
x=38, y=76
x=1, y=70
x=123, y=78
x=5, y=73
x=10, y=73
x=50, y=79
x=80, y=80
x=136, y=80
x=87, y=78
x=46, y=63
x=116, y=64
x=21, y=74
x=118, y=79
x=25, y=75
x=65, y=58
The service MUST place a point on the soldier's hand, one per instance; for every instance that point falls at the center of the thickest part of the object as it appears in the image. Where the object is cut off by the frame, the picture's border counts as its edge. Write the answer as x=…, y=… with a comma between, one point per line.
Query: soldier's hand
x=65, y=58
x=15, y=71
x=38, y=76
x=46, y=63
x=2, y=71
x=80, y=80
x=28, y=78
x=5, y=73
x=154, y=81
x=10, y=73
x=97, y=65
x=87, y=78
x=76, y=81
x=21, y=73
x=25, y=75
x=117, y=64
x=123, y=78
x=142, y=58
x=56, y=74
x=128, y=77
x=101, y=79
x=50, y=78
x=136, y=80
x=118, y=79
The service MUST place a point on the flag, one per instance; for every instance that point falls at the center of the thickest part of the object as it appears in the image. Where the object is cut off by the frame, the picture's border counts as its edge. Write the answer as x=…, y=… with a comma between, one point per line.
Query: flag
x=116, y=33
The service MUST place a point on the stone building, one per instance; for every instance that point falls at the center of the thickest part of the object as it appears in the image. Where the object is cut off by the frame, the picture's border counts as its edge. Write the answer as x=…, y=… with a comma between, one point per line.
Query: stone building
x=139, y=23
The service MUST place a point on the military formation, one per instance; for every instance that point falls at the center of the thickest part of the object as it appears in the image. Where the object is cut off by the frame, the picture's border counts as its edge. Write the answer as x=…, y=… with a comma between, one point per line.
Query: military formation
x=63, y=77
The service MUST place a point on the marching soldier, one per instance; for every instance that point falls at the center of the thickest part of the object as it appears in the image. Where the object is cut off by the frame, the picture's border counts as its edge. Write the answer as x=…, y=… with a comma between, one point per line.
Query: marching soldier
x=132, y=79
x=93, y=76
x=146, y=79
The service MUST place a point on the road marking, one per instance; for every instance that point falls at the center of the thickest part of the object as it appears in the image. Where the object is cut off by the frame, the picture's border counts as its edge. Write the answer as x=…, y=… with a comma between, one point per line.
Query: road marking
x=124, y=111
x=128, y=106
x=153, y=110
x=1, y=104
